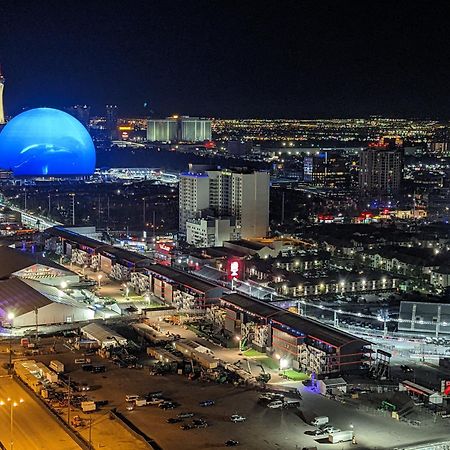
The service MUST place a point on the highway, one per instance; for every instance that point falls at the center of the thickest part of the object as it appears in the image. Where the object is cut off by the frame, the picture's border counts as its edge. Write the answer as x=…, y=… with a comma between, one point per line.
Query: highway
x=34, y=428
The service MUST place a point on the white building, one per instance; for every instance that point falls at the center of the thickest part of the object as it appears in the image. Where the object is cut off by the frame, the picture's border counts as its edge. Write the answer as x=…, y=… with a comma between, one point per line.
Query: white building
x=210, y=232
x=103, y=335
x=193, y=196
x=179, y=129
x=32, y=302
x=440, y=278
x=244, y=196
x=194, y=129
x=165, y=130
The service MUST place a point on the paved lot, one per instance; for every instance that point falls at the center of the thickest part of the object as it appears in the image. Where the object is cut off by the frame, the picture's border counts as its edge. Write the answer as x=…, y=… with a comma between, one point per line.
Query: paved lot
x=34, y=428
x=264, y=428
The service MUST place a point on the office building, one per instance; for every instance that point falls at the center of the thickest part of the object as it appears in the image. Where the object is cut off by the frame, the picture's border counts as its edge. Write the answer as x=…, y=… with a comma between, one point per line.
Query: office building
x=179, y=129
x=165, y=130
x=241, y=195
x=194, y=129
x=325, y=169
x=80, y=112
x=2, y=85
x=380, y=171
x=210, y=232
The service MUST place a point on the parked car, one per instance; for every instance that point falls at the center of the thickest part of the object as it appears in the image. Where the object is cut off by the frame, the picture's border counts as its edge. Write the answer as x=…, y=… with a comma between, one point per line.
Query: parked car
x=207, y=403
x=330, y=429
x=174, y=420
x=155, y=401
x=167, y=405
x=237, y=418
x=154, y=394
x=186, y=426
x=231, y=443
x=185, y=415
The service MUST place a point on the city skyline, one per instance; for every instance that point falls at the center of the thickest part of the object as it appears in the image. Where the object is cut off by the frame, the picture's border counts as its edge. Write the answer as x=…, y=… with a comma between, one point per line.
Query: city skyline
x=230, y=60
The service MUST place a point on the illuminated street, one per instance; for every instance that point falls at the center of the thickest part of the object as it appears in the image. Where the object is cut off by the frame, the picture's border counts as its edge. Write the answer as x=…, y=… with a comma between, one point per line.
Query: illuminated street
x=33, y=426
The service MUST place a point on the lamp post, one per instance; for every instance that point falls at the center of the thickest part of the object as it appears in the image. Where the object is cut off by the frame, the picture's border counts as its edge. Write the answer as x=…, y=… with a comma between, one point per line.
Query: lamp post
x=239, y=340
x=278, y=357
x=354, y=437
x=11, y=322
x=12, y=405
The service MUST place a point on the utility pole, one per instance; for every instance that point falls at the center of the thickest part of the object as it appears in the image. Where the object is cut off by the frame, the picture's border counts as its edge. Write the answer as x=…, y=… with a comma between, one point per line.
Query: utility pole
x=73, y=209
x=90, y=433
x=49, y=205
x=99, y=210
x=143, y=210
x=107, y=220
x=68, y=403
x=36, y=311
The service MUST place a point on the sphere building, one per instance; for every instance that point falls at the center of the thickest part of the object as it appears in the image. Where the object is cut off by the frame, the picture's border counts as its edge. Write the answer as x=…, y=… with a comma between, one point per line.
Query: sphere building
x=46, y=142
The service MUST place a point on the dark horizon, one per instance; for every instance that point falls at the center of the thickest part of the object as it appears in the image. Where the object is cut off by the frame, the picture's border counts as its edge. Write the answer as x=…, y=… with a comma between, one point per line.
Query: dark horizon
x=229, y=59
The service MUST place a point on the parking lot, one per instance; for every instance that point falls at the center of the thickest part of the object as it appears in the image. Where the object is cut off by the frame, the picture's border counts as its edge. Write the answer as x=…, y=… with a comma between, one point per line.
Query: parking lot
x=264, y=428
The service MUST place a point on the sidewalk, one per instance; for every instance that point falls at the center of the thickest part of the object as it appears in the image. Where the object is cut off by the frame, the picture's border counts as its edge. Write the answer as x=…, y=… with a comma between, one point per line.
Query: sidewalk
x=109, y=433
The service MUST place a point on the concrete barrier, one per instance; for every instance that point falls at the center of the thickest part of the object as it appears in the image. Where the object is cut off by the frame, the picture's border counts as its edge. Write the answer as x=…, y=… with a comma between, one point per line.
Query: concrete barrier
x=72, y=433
x=132, y=428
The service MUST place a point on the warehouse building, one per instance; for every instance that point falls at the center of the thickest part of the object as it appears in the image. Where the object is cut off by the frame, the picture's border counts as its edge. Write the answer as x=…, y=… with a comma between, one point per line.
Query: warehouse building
x=31, y=302
x=104, y=336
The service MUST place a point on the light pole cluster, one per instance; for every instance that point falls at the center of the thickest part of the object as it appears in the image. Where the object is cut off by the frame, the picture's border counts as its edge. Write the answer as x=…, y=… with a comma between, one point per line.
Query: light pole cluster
x=11, y=322
x=12, y=404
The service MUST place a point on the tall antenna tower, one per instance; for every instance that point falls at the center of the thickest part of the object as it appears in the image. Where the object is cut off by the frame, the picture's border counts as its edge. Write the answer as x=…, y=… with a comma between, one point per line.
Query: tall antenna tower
x=2, y=85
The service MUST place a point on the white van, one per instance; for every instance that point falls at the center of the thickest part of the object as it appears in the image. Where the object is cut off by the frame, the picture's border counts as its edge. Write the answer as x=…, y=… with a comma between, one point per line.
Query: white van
x=131, y=398
x=275, y=404
x=319, y=421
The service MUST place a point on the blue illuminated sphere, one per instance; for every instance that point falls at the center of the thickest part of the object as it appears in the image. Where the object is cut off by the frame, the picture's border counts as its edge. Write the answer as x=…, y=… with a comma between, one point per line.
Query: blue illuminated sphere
x=46, y=141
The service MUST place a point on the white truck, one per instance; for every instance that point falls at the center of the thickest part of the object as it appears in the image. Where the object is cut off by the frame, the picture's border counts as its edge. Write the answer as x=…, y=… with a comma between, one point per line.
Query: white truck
x=57, y=366
x=319, y=421
x=140, y=402
x=340, y=436
x=276, y=404
x=88, y=406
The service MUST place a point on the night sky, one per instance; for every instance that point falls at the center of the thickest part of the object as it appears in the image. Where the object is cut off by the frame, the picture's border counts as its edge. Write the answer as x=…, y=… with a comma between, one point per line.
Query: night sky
x=229, y=58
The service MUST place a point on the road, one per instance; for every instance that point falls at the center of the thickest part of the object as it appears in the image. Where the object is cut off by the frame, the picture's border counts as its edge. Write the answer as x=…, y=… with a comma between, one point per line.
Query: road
x=34, y=428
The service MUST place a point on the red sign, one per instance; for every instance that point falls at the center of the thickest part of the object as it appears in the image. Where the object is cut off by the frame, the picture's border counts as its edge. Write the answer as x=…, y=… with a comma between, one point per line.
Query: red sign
x=445, y=387
x=165, y=247
x=235, y=268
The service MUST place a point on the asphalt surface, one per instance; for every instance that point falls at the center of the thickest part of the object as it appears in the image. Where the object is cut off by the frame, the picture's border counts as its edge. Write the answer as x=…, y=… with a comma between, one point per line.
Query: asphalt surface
x=34, y=428
x=264, y=428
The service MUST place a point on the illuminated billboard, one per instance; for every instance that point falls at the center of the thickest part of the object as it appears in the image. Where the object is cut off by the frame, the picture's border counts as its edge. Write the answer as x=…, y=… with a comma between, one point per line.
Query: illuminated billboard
x=235, y=269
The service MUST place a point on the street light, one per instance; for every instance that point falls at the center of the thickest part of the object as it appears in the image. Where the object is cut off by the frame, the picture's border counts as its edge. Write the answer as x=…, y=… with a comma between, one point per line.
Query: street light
x=11, y=323
x=12, y=404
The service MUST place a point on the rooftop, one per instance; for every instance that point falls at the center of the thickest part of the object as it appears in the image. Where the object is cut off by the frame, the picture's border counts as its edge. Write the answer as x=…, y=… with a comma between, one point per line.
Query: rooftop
x=12, y=260
x=306, y=326
x=19, y=298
